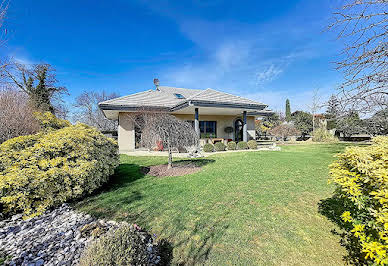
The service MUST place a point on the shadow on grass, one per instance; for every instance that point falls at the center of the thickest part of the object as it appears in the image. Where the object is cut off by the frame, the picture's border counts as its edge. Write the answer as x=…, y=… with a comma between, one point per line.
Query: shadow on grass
x=197, y=243
x=332, y=208
x=200, y=162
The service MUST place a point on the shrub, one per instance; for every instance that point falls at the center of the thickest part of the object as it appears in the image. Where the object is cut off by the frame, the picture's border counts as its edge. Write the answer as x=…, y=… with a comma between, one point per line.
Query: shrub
x=124, y=246
x=208, y=147
x=323, y=135
x=361, y=178
x=252, y=144
x=46, y=169
x=219, y=146
x=231, y=145
x=48, y=121
x=242, y=145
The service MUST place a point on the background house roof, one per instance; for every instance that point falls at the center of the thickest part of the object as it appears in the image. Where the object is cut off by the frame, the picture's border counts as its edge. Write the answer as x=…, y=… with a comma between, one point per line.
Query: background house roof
x=165, y=97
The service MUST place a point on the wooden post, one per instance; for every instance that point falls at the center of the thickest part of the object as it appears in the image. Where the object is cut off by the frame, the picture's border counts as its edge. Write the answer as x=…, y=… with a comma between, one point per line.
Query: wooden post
x=245, y=129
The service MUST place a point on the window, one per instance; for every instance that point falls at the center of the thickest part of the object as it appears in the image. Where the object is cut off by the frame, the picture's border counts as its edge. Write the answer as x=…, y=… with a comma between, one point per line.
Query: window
x=179, y=96
x=208, y=129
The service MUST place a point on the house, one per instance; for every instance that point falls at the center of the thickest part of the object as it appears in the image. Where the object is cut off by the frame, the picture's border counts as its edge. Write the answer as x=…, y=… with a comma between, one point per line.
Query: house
x=210, y=111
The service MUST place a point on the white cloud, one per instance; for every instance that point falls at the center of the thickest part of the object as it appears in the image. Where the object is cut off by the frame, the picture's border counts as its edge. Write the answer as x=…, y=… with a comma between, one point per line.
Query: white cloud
x=268, y=74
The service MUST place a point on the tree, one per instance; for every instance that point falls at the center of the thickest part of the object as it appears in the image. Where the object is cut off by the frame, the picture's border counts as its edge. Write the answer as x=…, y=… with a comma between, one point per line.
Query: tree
x=162, y=128
x=350, y=123
x=303, y=121
x=332, y=112
x=38, y=82
x=16, y=116
x=314, y=106
x=284, y=130
x=89, y=113
x=378, y=123
x=266, y=123
x=362, y=25
x=288, y=111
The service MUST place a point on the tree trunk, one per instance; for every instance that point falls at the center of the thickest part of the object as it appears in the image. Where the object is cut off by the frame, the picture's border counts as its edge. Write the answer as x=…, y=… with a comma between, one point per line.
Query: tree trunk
x=169, y=166
x=313, y=123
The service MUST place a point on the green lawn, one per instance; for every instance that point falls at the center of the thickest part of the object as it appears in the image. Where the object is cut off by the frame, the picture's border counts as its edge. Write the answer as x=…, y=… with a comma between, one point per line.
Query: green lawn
x=241, y=208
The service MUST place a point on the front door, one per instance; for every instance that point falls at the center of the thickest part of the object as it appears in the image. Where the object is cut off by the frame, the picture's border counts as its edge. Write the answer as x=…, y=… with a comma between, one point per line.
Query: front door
x=238, y=130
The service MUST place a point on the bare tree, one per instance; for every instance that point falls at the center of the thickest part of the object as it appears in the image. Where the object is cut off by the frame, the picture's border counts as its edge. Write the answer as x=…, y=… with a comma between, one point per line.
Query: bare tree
x=161, y=127
x=363, y=26
x=315, y=105
x=38, y=81
x=284, y=130
x=16, y=116
x=89, y=113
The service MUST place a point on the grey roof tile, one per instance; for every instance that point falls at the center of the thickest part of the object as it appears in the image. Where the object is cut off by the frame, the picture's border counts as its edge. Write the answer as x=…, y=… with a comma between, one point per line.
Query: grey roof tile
x=164, y=97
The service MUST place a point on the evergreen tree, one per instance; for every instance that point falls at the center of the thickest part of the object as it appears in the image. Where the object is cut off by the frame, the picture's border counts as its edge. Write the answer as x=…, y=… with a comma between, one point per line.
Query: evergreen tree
x=303, y=122
x=332, y=112
x=288, y=111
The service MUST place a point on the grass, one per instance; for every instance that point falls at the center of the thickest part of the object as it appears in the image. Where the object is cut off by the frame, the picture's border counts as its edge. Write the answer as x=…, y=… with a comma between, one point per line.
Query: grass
x=243, y=208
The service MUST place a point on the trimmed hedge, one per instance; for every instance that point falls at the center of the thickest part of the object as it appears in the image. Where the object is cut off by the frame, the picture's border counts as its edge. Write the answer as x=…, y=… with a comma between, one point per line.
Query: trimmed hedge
x=361, y=178
x=124, y=246
x=51, y=167
x=219, y=146
x=252, y=144
x=208, y=147
x=242, y=145
x=231, y=145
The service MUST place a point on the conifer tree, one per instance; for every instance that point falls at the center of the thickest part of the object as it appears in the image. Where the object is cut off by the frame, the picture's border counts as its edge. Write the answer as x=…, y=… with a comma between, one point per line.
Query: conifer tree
x=288, y=111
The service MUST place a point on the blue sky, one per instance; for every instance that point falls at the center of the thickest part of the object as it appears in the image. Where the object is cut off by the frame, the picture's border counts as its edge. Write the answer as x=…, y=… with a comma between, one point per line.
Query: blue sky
x=264, y=50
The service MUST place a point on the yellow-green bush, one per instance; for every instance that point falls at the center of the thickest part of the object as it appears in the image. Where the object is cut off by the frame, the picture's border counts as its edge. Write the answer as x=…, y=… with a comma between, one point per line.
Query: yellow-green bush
x=43, y=170
x=48, y=121
x=361, y=178
x=242, y=145
x=231, y=145
x=252, y=144
x=124, y=246
x=323, y=135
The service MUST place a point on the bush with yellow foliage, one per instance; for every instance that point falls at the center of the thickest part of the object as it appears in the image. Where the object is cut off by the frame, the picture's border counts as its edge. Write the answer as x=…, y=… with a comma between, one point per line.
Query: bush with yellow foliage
x=53, y=166
x=361, y=178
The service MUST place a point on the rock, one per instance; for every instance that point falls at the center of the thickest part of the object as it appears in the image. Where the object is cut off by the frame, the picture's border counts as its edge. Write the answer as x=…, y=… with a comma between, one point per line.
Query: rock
x=16, y=217
x=57, y=237
x=39, y=262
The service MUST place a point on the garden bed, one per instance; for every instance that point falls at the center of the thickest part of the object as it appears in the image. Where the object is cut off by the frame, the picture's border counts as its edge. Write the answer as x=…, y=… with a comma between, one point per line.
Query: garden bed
x=178, y=169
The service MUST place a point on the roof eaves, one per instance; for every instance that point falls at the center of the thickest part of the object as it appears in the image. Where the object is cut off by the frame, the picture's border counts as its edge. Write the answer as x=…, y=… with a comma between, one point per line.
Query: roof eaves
x=228, y=104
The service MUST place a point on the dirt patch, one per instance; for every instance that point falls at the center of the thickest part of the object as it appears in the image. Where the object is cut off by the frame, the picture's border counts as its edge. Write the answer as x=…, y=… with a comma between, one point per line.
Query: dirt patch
x=178, y=169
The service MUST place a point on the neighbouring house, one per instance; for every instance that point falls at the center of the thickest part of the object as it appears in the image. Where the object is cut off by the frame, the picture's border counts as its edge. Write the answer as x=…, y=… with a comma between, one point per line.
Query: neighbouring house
x=215, y=115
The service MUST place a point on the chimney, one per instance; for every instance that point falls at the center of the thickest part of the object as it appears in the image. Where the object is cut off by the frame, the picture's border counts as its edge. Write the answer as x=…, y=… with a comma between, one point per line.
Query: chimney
x=156, y=82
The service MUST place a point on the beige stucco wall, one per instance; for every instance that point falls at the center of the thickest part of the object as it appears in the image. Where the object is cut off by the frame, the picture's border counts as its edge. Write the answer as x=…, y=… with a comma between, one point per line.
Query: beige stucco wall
x=126, y=131
x=223, y=121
